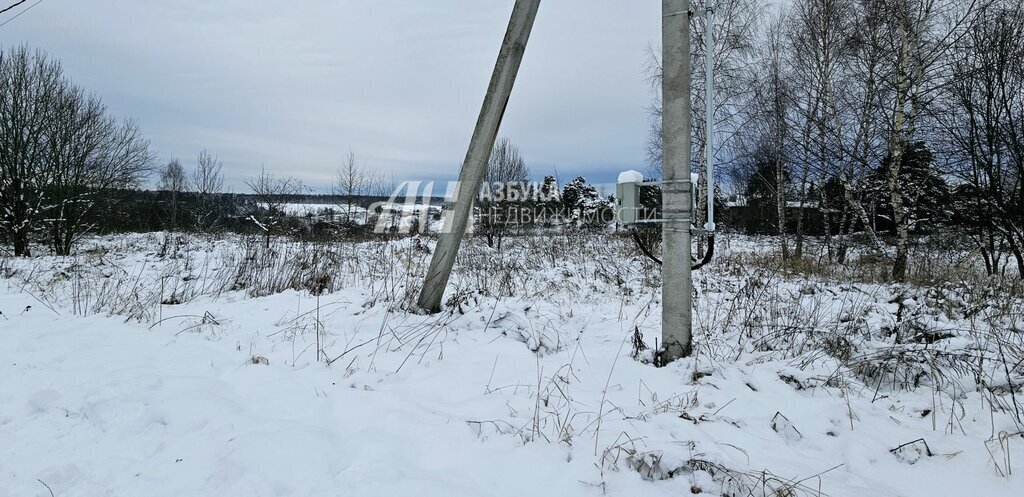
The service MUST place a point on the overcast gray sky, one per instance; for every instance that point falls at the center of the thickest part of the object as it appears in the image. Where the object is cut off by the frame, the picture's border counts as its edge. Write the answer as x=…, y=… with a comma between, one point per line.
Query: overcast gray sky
x=295, y=85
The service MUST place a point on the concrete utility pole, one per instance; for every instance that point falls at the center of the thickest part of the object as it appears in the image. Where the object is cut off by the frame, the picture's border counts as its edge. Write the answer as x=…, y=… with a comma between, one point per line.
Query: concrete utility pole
x=677, y=193
x=474, y=168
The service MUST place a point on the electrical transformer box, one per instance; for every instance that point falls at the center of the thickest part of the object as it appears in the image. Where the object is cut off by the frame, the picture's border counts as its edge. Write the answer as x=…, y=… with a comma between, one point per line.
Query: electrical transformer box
x=627, y=191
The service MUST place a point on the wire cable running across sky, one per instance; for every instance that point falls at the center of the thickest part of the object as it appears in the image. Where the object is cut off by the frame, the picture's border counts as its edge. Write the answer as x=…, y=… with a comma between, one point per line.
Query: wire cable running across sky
x=15, y=4
x=19, y=14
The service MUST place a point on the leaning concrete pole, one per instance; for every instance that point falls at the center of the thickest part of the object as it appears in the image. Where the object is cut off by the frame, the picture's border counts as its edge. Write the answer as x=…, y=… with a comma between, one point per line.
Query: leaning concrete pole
x=677, y=192
x=474, y=168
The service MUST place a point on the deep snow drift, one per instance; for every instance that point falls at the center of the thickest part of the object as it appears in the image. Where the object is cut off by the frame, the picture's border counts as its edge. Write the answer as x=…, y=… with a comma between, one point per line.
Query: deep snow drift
x=164, y=365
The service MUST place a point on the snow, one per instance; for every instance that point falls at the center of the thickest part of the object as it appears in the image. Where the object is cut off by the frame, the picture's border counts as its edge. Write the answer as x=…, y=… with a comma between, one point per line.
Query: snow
x=315, y=209
x=303, y=210
x=531, y=392
x=631, y=176
x=120, y=410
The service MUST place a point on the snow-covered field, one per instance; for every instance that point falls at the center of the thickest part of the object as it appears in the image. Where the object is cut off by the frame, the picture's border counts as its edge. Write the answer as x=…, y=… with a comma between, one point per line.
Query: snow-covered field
x=172, y=365
x=303, y=210
x=358, y=213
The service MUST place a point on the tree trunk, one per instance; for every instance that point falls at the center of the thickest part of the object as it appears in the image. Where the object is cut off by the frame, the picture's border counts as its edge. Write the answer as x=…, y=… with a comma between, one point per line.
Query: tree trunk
x=992, y=253
x=21, y=246
x=1016, y=251
x=780, y=206
x=20, y=224
x=174, y=210
x=62, y=244
x=841, y=248
x=899, y=266
x=800, y=232
x=1020, y=262
x=897, y=148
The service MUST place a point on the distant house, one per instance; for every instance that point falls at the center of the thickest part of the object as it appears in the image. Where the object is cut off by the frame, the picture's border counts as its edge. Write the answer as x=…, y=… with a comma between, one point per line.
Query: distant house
x=754, y=217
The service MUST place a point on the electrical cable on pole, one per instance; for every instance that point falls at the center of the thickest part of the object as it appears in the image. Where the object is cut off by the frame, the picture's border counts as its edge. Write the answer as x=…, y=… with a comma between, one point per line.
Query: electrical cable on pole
x=678, y=186
x=709, y=126
x=709, y=112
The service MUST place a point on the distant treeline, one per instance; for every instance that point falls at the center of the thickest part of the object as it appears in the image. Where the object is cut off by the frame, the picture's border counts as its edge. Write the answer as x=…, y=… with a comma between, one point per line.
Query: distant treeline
x=147, y=210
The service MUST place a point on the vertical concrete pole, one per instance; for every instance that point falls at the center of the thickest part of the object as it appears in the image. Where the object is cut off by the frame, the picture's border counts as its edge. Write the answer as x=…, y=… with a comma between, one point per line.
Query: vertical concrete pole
x=474, y=168
x=677, y=192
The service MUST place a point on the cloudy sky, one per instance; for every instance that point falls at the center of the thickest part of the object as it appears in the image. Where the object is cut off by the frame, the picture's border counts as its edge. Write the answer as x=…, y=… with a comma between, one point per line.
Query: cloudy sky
x=294, y=86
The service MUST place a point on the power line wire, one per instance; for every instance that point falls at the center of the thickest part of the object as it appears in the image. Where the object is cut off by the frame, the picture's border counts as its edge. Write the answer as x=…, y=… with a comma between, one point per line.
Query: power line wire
x=19, y=13
x=13, y=6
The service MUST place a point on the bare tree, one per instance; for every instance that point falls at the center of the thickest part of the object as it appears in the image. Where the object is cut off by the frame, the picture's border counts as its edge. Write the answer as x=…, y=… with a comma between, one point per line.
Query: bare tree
x=921, y=33
x=271, y=193
x=173, y=183
x=208, y=176
x=90, y=156
x=981, y=114
x=28, y=82
x=352, y=181
x=60, y=153
x=767, y=135
x=843, y=97
x=208, y=182
x=886, y=58
x=382, y=186
x=736, y=36
x=503, y=191
x=817, y=33
x=849, y=115
x=736, y=24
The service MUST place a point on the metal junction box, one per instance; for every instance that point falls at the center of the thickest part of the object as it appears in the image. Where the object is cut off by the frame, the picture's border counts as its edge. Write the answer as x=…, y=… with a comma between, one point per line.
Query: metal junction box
x=627, y=191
